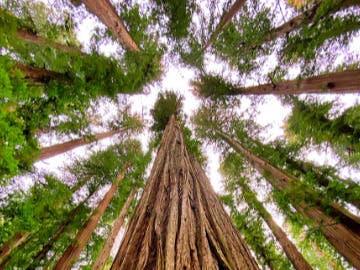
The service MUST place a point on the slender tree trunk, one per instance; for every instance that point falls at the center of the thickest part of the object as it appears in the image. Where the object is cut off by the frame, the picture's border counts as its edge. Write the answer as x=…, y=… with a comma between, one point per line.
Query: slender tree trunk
x=306, y=17
x=107, y=14
x=332, y=83
x=325, y=181
x=180, y=223
x=345, y=240
x=29, y=36
x=345, y=217
x=14, y=242
x=8, y=258
x=105, y=251
x=38, y=75
x=226, y=18
x=57, y=149
x=75, y=248
x=46, y=248
x=289, y=248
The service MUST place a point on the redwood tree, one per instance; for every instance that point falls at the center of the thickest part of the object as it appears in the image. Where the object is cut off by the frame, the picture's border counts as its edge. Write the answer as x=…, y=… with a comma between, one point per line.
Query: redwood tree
x=74, y=250
x=180, y=223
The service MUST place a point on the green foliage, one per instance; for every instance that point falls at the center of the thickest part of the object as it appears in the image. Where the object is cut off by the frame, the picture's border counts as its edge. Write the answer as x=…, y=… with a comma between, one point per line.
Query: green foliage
x=305, y=43
x=242, y=42
x=193, y=145
x=18, y=147
x=179, y=16
x=311, y=123
x=166, y=105
x=35, y=211
x=214, y=86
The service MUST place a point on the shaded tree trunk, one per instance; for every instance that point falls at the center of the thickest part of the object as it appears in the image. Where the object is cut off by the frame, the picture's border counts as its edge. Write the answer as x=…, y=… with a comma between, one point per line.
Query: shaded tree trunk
x=38, y=75
x=225, y=19
x=179, y=222
x=107, y=14
x=29, y=36
x=46, y=248
x=105, y=251
x=75, y=248
x=14, y=242
x=289, y=248
x=325, y=181
x=344, y=238
x=57, y=149
x=334, y=83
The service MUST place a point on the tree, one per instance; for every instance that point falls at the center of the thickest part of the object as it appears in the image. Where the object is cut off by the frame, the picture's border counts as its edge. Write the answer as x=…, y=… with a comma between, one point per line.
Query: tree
x=342, y=132
x=105, y=251
x=57, y=149
x=107, y=14
x=289, y=248
x=335, y=232
x=331, y=83
x=179, y=221
x=84, y=234
x=225, y=19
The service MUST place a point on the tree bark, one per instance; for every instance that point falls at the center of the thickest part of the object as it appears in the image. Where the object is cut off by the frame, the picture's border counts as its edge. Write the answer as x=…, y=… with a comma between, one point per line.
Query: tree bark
x=57, y=149
x=306, y=17
x=226, y=18
x=179, y=222
x=14, y=242
x=325, y=181
x=38, y=75
x=105, y=251
x=107, y=14
x=75, y=248
x=46, y=248
x=332, y=83
x=29, y=36
x=345, y=240
x=289, y=248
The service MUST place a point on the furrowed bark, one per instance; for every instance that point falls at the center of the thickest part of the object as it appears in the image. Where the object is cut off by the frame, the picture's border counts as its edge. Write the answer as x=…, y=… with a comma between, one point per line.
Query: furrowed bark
x=346, y=240
x=332, y=83
x=46, y=248
x=57, y=149
x=226, y=18
x=107, y=14
x=10, y=245
x=75, y=248
x=179, y=222
x=289, y=248
x=105, y=252
x=29, y=36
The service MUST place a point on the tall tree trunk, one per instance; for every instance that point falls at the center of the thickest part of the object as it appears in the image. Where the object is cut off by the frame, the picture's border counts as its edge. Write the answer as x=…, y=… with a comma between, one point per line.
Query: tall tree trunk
x=29, y=36
x=75, y=248
x=46, y=248
x=57, y=149
x=105, y=251
x=14, y=242
x=179, y=222
x=38, y=75
x=334, y=83
x=345, y=239
x=325, y=181
x=306, y=17
x=107, y=14
x=289, y=248
x=225, y=19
